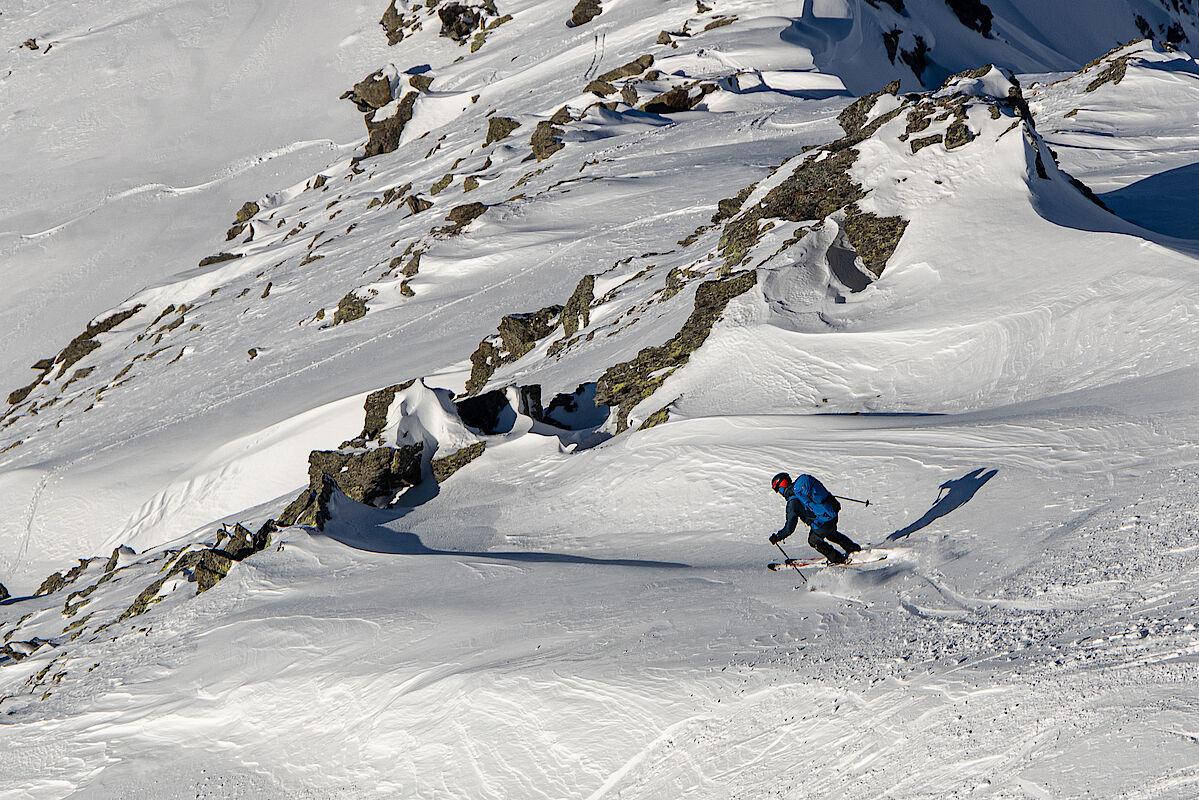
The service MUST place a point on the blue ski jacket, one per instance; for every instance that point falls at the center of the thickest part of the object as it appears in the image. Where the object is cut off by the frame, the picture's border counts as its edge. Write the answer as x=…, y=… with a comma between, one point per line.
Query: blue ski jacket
x=807, y=499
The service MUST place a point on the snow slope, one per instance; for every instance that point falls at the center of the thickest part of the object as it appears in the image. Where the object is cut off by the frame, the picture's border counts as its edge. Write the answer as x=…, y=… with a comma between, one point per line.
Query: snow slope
x=584, y=613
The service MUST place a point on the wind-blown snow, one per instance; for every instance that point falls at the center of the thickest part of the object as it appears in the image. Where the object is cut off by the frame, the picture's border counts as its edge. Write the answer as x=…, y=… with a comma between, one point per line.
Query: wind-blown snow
x=575, y=613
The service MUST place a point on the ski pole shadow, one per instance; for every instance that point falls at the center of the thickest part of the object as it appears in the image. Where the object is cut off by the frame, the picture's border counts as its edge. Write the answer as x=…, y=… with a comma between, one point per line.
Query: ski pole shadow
x=953, y=495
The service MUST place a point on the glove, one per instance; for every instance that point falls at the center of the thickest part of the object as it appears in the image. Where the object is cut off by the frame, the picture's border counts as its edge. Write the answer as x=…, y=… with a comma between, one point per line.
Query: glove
x=775, y=538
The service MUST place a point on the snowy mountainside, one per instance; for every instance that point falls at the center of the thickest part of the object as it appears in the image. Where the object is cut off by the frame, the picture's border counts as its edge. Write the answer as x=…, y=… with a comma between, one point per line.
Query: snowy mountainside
x=528, y=357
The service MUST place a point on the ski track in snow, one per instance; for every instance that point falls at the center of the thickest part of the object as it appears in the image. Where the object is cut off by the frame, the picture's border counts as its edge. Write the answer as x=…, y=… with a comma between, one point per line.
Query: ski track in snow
x=1014, y=395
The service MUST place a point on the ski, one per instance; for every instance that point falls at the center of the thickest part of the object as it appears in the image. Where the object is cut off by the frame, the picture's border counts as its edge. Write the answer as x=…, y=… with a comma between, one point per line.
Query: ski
x=858, y=559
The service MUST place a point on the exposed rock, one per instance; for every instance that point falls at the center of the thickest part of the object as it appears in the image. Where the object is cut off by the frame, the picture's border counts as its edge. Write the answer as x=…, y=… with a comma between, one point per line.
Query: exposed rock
x=442, y=184
x=482, y=412
x=628, y=93
x=584, y=11
x=680, y=98
x=895, y=4
x=518, y=334
x=247, y=212
x=499, y=128
x=659, y=417
x=817, y=188
x=635, y=67
x=854, y=118
x=917, y=57
x=443, y=468
x=545, y=140
x=372, y=477
x=236, y=542
x=385, y=134
x=376, y=406
x=956, y=135
x=626, y=384
x=919, y=144
x=1113, y=73
x=974, y=14
x=393, y=24
x=219, y=258
x=369, y=94
x=459, y=22
x=420, y=82
x=349, y=308
x=115, y=558
x=874, y=238
x=576, y=313
x=600, y=88
x=4, y=595
x=417, y=204
x=463, y=215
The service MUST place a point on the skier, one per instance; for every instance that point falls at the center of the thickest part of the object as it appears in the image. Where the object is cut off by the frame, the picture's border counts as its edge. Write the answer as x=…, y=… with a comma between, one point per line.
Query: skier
x=807, y=499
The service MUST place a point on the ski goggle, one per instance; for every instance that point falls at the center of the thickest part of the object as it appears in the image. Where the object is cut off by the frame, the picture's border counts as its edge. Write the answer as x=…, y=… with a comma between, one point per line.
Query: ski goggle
x=779, y=483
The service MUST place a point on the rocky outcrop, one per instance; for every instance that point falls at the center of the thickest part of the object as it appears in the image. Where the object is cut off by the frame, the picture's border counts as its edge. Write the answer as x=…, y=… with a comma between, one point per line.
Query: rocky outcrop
x=372, y=477
x=4, y=595
x=373, y=96
x=635, y=67
x=459, y=22
x=546, y=139
x=349, y=308
x=628, y=383
x=576, y=313
x=518, y=334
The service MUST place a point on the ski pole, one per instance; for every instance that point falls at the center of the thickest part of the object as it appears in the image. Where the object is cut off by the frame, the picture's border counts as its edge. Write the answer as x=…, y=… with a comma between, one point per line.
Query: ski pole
x=850, y=499
x=787, y=559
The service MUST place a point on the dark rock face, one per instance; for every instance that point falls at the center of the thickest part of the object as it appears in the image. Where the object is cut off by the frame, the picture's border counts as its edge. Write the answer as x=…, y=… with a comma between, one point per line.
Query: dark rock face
x=369, y=94
x=974, y=14
x=630, y=69
x=443, y=468
x=482, y=412
x=462, y=215
x=376, y=407
x=874, y=238
x=208, y=261
x=4, y=595
x=393, y=24
x=628, y=383
x=519, y=333
x=583, y=12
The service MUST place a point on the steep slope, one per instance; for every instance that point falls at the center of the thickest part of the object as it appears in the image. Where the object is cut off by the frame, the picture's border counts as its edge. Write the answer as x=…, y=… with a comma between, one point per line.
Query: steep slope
x=535, y=386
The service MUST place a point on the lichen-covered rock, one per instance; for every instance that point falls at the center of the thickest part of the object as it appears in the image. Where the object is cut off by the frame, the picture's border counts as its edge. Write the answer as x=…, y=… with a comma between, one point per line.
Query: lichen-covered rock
x=376, y=406
x=1113, y=73
x=924, y=141
x=957, y=134
x=518, y=334
x=417, y=204
x=499, y=128
x=349, y=308
x=576, y=313
x=873, y=237
x=85, y=343
x=247, y=212
x=583, y=12
x=443, y=468
x=626, y=384
x=854, y=118
x=52, y=584
x=600, y=88
x=371, y=477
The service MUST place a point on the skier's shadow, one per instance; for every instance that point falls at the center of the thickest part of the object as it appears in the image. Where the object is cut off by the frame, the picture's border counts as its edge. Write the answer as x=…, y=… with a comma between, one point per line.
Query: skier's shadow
x=955, y=494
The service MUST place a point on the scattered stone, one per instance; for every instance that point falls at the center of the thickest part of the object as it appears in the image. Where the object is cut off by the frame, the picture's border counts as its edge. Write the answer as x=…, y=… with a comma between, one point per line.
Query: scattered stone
x=600, y=88
x=4, y=595
x=385, y=134
x=417, y=204
x=626, y=384
x=247, y=212
x=420, y=82
x=680, y=98
x=584, y=11
x=219, y=258
x=499, y=128
x=635, y=67
x=459, y=22
x=393, y=24
x=349, y=308
x=442, y=184
x=462, y=215
x=369, y=94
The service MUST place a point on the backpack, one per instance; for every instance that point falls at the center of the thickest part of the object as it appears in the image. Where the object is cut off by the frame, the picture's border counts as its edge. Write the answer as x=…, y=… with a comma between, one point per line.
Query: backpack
x=818, y=501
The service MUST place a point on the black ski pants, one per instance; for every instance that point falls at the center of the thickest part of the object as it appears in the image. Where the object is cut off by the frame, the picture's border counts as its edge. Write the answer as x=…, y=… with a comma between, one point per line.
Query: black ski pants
x=821, y=535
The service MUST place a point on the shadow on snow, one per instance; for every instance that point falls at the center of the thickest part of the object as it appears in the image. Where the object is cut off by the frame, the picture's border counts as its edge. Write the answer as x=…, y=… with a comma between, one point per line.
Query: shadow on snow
x=953, y=495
